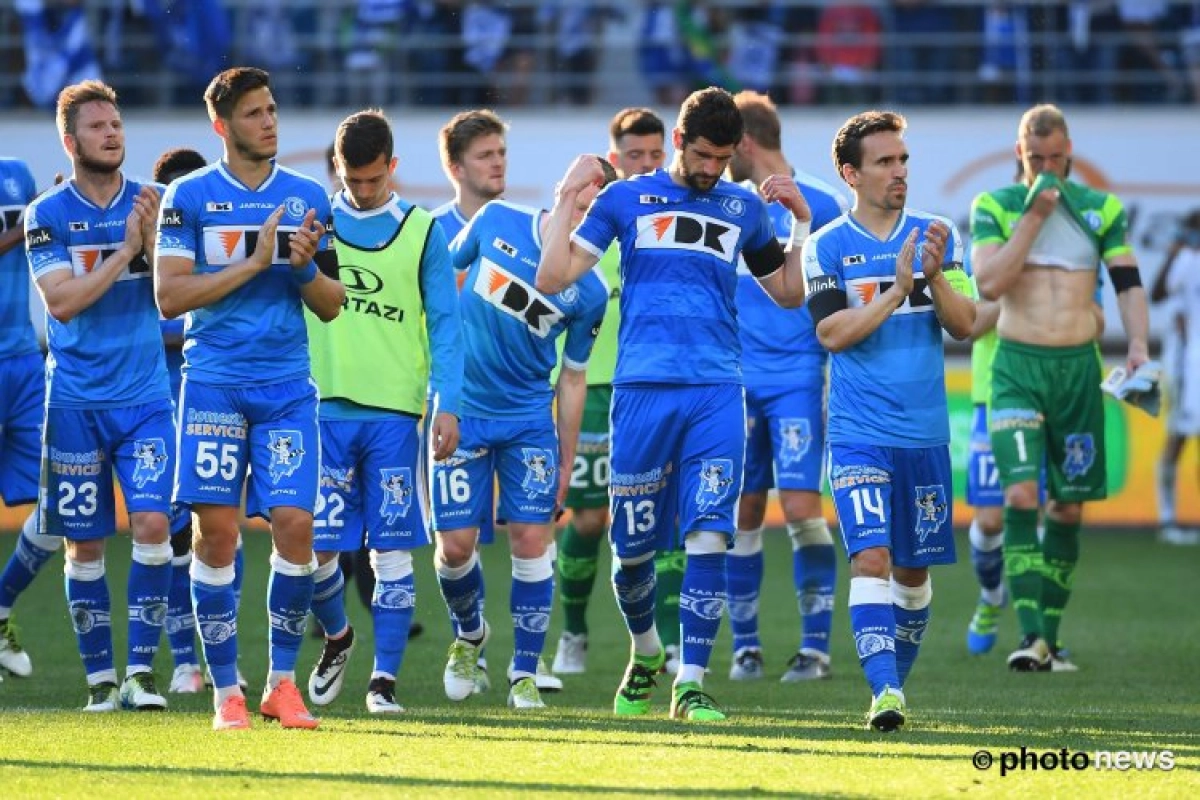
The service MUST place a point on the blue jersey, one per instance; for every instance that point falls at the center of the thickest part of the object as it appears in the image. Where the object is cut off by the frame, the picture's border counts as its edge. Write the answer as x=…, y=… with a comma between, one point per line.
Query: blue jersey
x=679, y=257
x=889, y=390
x=509, y=327
x=450, y=218
x=779, y=345
x=17, y=190
x=255, y=333
x=375, y=229
x=111, y=353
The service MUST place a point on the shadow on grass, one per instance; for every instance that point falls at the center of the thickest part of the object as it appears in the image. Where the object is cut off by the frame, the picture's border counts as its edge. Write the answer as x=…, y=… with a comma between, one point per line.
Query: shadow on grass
x=398, y=781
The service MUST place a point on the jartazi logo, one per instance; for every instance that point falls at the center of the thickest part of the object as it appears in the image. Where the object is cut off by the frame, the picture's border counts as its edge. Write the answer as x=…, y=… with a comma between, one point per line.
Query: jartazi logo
x=516, y=298
x=684, y=231
x=359, y=280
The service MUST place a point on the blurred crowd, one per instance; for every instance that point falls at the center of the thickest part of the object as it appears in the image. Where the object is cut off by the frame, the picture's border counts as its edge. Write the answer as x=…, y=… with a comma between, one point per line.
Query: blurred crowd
x=569, y=52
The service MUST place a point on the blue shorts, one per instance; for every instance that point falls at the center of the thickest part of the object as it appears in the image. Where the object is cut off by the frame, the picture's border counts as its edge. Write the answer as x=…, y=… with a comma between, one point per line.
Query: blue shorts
x=372, y=481
x=785, y=436
x=22, y=407
x=271, y=429
x=83, y=448
x=677, y=451
x=898, y=498
x=523, y=454
x=983, y=479
x=487, y=527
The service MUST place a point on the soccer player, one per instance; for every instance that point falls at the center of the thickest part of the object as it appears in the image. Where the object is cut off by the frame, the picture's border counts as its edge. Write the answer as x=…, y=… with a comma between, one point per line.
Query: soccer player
x=637, y=137
x=242, y=249
x=1037, y=250
x=108, y=398
x=678, y=412
x=508, y=431
x=22, y=398
x=1178, y=282
x=883, y=283
x=783, y=366
x=372, y=370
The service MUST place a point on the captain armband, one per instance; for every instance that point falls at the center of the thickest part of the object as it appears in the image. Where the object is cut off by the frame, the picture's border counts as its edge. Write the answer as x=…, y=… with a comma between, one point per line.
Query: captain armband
x=327, y=262
x=1125, y=278
x=824, y=297
x=765, y=261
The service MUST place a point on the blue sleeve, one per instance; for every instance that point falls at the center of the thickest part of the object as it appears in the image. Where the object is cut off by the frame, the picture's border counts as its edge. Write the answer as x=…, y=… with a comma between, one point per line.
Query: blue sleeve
x=763, y=232
x=29, y=187
x=45, y=244
x=583, y=329
x=820, y=261
x=464, y=249
x=178, y=221
x=443, y=321
x=599, y=226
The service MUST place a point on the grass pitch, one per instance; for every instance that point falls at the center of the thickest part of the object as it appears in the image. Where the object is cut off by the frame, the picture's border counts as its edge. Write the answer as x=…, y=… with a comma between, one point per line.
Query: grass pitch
x=1131, y=626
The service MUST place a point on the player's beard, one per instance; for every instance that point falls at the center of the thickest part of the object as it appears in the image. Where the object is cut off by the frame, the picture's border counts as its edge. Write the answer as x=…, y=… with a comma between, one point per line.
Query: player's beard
x=696, y=181
x=250, y=153
x=85, y=162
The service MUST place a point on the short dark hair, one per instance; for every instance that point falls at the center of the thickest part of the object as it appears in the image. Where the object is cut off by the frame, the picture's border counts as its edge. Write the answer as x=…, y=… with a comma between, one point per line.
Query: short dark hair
x=635, y=122
x=760, y=118
x=847, y=144
x=465, y=127
x=71, y=98
x=224, y=91
x=176, y=163
x=610, y=172
x=364, y=137
x=710, y=113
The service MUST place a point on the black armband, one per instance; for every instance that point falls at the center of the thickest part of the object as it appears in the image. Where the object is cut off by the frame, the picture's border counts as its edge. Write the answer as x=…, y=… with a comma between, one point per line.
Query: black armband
x=762, y=263
x=824, y=298
x=327, y=262
x=1125, y=278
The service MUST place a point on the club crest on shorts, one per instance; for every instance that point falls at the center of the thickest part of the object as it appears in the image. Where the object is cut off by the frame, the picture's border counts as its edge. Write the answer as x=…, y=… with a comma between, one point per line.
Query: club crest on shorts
x=151, y=456
x=539, y=470
x=397, y=487
x=1080, y=455
x=287, y=453
x=716, y=481
x=932, y=509
x=795, y=437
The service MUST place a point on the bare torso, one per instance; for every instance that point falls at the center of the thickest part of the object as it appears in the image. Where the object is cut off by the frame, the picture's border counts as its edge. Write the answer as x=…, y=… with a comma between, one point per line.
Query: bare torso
x=1049, y=306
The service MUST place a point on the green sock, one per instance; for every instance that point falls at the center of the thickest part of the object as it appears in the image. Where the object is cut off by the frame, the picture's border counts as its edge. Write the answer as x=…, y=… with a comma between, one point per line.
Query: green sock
x=669, y=570
x=1023, y=566
x=1060, y=551
x=577, y=571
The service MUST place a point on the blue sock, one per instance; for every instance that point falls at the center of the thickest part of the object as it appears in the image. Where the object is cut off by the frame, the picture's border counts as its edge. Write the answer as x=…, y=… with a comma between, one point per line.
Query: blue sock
x=25, y=562
x=530, y=603
x=814, y=573
x=873, y=623
x=91, y=614
x=328, y=601
x=701, y=606
x=147, y=591
x=634, y=586
x=911, y=608
x=216, y=608
x=462, y=589
x=239, y=572
x=289, y=597
x=392, y=608
x=989, y=564
x=181, y=620
x=743, y=576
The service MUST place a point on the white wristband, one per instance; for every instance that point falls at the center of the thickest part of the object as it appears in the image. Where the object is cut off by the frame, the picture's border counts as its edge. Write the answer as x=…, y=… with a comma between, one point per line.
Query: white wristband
x=800, y=231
